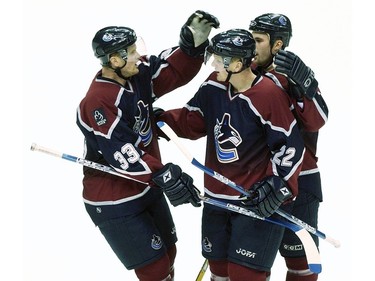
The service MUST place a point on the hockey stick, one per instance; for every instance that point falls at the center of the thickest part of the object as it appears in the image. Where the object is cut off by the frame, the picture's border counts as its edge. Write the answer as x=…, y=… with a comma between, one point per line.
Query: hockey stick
x=172, y=135
x=84, y=162
x=202, y=271
x=312, y=253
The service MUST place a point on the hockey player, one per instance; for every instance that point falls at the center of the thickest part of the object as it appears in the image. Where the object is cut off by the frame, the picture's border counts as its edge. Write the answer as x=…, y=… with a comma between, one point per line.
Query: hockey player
x=252, y=139
x=116, y=120
x=272, y=33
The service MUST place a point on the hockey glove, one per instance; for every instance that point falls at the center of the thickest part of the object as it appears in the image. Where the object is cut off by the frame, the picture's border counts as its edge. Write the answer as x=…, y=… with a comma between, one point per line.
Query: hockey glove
x=157, y=112
x=194, y=33
x=267, y=196
x=298, y=73
x=296, y=92
x=177, y=185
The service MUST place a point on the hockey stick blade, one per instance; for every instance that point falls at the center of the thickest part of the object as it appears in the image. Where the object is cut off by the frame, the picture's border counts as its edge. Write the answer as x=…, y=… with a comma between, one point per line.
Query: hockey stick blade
x=172, y=135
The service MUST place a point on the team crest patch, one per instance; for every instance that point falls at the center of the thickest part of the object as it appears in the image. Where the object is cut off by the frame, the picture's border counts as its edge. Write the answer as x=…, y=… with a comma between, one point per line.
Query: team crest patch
x=206, y=245
x=99, y=116
x=156, y=242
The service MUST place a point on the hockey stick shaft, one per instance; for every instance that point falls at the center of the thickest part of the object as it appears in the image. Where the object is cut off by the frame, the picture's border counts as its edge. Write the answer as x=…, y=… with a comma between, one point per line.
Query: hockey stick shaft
x=202, y=271
x=172, y=135
x=309, y=228
x=84, y=162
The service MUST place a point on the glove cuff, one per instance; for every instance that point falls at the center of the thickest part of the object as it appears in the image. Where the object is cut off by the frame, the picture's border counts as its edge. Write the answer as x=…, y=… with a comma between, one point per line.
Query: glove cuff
x=311, y=90
x=280, y=189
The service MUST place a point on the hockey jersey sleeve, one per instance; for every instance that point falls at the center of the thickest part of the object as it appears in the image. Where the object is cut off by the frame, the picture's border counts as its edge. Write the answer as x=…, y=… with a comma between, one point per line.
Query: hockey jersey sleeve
x=172, y=69
x=312, y=113
x=187, y=122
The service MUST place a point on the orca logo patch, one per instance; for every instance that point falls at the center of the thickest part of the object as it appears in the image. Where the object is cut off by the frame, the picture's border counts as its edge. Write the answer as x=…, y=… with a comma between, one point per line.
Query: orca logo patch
x=99, y=116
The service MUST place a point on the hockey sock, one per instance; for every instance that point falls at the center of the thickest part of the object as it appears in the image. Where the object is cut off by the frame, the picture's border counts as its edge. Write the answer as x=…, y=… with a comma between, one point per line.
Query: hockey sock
x=158, y=270
x=219, y=270
x=239, y=273
x=298, y=270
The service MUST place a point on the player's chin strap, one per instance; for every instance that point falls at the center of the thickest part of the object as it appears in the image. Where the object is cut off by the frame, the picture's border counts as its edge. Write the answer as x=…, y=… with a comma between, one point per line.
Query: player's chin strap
x=228, y=76
x=118, y=71
x=230, y=73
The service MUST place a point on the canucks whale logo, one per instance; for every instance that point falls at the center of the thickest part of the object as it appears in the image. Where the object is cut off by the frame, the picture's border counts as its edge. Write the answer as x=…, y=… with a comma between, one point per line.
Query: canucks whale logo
x=227, y=139
x=156, y=242
x=206, y=245
x=142, y=123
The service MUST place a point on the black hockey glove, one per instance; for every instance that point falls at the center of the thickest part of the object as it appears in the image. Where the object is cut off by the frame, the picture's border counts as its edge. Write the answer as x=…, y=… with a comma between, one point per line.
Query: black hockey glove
x=194, y=33
x=267, y=196
x=296, y=92
x=157, y=112
x=177, y=185
x=298, y=73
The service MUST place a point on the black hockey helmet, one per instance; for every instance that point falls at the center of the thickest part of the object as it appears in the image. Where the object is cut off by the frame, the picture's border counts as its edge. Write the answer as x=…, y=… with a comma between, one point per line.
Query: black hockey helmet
x=278, y=26
x=112, y=39
x=233, y=43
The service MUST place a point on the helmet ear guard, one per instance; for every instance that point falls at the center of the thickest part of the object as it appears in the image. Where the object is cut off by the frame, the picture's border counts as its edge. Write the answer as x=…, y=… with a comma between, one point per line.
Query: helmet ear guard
x=112, y=39
x=123, y=53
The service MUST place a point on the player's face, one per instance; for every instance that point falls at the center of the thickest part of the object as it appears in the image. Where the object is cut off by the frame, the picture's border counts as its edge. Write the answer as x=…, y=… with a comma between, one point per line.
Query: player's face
x=131, y=67
x=263, y=54
x=218, y=64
